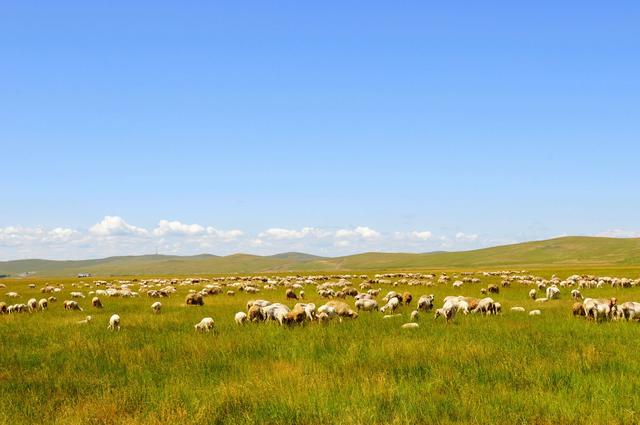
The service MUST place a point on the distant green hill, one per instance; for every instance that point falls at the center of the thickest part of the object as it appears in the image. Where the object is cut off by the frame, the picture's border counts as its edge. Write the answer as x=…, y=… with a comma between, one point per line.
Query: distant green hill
x=568, y=251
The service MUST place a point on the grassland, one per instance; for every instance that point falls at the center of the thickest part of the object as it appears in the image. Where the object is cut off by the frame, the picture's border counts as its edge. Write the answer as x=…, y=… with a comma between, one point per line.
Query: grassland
x=508, y=369
x=562, y=253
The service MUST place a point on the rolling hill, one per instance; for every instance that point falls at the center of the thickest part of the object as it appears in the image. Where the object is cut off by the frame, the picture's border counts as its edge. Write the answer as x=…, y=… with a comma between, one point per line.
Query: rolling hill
x=589, y=252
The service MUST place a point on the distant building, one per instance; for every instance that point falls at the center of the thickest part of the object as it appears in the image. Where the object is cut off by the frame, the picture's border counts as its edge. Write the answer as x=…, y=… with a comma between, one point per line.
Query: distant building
x=84, y=274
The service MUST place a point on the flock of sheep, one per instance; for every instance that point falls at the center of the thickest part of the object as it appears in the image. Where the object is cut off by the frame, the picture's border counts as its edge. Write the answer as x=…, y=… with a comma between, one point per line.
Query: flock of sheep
x=337, y=289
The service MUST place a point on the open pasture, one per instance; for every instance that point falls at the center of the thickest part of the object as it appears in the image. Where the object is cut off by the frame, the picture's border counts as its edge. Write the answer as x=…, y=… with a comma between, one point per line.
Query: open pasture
x=508, y=368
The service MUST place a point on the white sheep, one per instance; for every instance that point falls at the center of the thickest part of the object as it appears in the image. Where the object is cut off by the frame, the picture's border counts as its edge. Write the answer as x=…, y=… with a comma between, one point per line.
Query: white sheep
x=205, y=325
x=535, y=313
x=425, y=302
x=533, y=294
x=32, y=304
x=114, y=323
x=553, y=292
x=415, y=316
x=241, y=318
x=43, y=304
x=410, y=325
x=156, y=307
x=518, y=309
x=368, y=304
x=392, y=305
x=86, y=320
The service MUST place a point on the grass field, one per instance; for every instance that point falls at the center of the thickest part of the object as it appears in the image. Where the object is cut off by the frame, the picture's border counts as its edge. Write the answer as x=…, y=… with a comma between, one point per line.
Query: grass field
x=507, y=369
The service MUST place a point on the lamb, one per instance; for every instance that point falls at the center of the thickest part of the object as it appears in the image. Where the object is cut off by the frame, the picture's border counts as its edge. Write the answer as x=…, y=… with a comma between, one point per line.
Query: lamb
x=77, y=295
x=367, y=305
x=323, y=318
x=85, y=321
x=302, y=295
x=43, y=304
x=194, y=299
x=156, y=307
x=535, y=313
x=497, y=308
x=425, y=303
x=406, y=298
x=205, y=325
x=241, y=318
x=518, y=309
x=575, y=294
x=415, y=316
x=533, y=294
x=114, y=323
x=96, y=302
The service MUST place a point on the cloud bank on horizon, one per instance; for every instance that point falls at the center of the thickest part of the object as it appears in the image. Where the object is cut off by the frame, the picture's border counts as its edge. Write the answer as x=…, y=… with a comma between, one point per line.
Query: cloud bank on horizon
x=113, y=235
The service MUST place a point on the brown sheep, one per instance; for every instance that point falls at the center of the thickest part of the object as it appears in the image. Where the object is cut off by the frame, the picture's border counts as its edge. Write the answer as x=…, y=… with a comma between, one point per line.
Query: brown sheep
x=350, y=291
x=483, y=291
x=493, y=289
x=578, y=309
x=472, y=302
x=406, y=298
x=342, y=309
x=297, y=315
x=3, y=308
x=96, y=302
x=291, y=295
x=255, y=313
x=194, y=299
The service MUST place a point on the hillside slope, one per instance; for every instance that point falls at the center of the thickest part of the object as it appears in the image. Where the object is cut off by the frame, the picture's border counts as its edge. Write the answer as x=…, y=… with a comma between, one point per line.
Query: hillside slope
x=567, y=251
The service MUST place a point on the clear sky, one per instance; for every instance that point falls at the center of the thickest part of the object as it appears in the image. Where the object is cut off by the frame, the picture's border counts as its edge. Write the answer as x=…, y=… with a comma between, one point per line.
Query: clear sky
x=324, y=127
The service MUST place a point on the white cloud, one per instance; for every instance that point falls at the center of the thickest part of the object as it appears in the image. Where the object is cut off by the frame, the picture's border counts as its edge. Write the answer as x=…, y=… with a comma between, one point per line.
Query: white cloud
x=166, y=227
x=460, y=236
x=114, y=226
x=359, y=232
x=282, y=234
x=424, y=235
x=226, y=235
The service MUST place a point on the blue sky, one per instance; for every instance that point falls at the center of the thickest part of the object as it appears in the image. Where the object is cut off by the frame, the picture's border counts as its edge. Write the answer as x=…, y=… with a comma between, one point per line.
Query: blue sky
x=329, y=128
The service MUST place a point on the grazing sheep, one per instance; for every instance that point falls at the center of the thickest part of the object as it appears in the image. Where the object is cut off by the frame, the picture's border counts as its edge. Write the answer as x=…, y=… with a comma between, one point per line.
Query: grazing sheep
x=599, y=308
x=323, y=318
x=302, y=295
x=553, y=292
x=533, y=294
x=392, y=305
x=493, y=289
x=297, y=315
x=309, y=310
x=195, y=299
x=485, y=306
x=535, y=313
x=255, y=313
x=259, y=303
x=96, y=302
x=578, y=309
x=542, y=300
x=114, y=323
x=77, y=295
x=43, y=304
x=342, y=309
x=391, y=316
x=205, y=325
x=241, y=318
x=575, y=294
x=328, y=311
x=483, y=291
x=231, y=293
x=12, y=295
x=32, y=304
x=71, y=305
x=415, y=316
x=410, y=326
x=425, y=302
x=497, y=308
x=277, y=312
x=52, y=299
x=156, y=307
x=406, y=298
x=448, y=310
x=291, y=295
x=631, y=310
x=3, y=308
x=367, y=305
x=518, y=309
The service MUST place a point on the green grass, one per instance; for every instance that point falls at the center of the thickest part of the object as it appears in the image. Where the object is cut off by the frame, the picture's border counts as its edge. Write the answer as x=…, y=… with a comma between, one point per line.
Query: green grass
x=567, y=252
x=508, y=369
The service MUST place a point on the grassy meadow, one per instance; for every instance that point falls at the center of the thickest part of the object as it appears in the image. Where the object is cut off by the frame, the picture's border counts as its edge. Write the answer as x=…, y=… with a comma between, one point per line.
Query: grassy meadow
x=511, y=368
